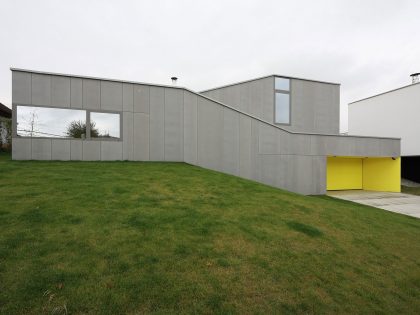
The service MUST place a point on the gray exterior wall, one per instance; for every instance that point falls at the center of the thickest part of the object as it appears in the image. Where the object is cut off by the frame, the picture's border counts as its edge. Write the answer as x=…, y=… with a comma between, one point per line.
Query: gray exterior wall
x=164, y=123
x=315, y=106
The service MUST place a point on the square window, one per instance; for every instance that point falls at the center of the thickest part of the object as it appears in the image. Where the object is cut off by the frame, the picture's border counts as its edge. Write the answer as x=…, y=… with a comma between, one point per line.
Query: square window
x=104, y=125
x=282, y=84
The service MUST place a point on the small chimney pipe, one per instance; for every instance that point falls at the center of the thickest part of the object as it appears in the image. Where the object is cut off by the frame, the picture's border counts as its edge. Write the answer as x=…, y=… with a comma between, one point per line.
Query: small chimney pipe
x=174, y=79
x=415, y=77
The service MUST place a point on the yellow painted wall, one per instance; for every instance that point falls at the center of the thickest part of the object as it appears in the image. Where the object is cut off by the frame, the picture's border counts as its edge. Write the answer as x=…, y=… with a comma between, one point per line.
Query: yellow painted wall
x=382, y=174
x=344, y=173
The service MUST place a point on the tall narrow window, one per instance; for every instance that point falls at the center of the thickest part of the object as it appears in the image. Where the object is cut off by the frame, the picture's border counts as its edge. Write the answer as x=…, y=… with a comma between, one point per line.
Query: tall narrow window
x=282, y=108
x=282, y=101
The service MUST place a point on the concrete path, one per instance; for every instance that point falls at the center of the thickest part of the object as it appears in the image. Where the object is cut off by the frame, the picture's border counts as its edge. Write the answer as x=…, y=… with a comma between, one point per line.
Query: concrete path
x=395, y=202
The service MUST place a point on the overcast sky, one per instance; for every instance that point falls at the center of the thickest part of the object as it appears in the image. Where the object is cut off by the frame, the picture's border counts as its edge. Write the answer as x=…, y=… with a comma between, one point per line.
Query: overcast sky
x=367, y=46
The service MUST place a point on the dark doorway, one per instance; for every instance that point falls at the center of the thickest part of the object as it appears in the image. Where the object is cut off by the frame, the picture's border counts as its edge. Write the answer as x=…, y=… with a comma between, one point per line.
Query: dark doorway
x=410, y=168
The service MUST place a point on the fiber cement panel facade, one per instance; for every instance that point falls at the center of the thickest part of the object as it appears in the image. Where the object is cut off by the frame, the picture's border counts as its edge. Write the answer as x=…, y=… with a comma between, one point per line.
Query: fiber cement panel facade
x=167, y=123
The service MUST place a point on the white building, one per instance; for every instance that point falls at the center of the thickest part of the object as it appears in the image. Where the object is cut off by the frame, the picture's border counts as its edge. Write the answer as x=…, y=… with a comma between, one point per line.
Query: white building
x=394, y=113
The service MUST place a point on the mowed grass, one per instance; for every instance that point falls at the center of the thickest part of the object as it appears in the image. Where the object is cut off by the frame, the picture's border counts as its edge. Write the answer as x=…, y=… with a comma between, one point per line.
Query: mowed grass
x=170, y=238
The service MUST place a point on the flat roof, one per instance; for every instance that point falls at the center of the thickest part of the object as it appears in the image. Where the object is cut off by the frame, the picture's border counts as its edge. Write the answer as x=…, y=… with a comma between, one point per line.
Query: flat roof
x=268, y=76
x=390, y=91
x=93, y=78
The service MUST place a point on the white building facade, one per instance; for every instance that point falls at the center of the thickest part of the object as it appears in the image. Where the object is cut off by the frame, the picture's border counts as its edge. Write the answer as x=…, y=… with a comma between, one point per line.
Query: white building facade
x=395, y=113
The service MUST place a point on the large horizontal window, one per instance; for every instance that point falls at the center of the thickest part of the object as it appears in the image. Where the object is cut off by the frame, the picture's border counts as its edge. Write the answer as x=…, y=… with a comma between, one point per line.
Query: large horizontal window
x=50, y=122
x=282, y=100
x=46, y=122
x=104, y=125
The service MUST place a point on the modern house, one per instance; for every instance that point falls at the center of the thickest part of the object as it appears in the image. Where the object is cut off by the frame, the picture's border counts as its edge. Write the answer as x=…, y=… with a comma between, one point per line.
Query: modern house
x=5, y=116
x=394, y=113
x=277, y=130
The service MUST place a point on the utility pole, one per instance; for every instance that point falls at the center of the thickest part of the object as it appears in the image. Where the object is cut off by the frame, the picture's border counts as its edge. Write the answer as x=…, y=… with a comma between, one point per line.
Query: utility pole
x=32, y=123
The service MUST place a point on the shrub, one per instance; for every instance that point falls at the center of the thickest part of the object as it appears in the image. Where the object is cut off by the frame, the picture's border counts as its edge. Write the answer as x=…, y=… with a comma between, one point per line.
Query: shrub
x=77, y=128
x=5, y=133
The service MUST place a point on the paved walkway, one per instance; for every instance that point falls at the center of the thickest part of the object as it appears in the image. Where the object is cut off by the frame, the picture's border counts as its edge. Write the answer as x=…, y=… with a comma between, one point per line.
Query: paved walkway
x=395, y=202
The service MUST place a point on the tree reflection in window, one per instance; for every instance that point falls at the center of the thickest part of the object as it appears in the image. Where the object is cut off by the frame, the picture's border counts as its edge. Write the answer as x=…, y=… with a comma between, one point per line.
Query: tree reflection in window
x=46, y=122
x=105, y=125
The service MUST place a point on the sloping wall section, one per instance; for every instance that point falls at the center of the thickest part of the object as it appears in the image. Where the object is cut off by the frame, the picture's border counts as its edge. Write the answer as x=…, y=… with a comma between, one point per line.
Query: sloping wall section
x=315, y=105
x=164, y=123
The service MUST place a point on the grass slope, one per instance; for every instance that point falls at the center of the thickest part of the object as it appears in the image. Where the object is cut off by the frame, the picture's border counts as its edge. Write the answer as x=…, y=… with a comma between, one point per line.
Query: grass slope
x=133, y=238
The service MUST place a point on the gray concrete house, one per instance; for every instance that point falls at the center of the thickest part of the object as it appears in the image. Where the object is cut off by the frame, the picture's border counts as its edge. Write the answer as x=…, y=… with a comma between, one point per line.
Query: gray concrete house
x=277, y=130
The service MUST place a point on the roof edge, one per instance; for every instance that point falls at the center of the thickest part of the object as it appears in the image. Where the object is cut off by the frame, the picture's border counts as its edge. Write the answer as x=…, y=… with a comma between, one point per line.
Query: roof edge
x=267, y=76
x=5, y=110
x=93, y=78
x=386, y=92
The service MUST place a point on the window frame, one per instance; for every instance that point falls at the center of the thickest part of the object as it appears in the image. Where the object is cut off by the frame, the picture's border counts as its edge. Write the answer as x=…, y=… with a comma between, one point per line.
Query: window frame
x=290, y=100
x=87, y=112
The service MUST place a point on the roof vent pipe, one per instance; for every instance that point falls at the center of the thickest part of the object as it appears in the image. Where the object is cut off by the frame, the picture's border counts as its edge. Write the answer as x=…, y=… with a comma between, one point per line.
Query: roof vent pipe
x=174, y=79
x=415, y=77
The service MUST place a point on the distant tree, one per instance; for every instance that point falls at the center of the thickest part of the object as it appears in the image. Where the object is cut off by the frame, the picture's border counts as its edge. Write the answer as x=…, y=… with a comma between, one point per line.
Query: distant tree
x=77, y=128
x=105, y=135
x=5, y=133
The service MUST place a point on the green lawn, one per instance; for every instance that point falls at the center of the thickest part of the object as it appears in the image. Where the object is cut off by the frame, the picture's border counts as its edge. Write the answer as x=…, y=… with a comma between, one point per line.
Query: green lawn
x=170, y=238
